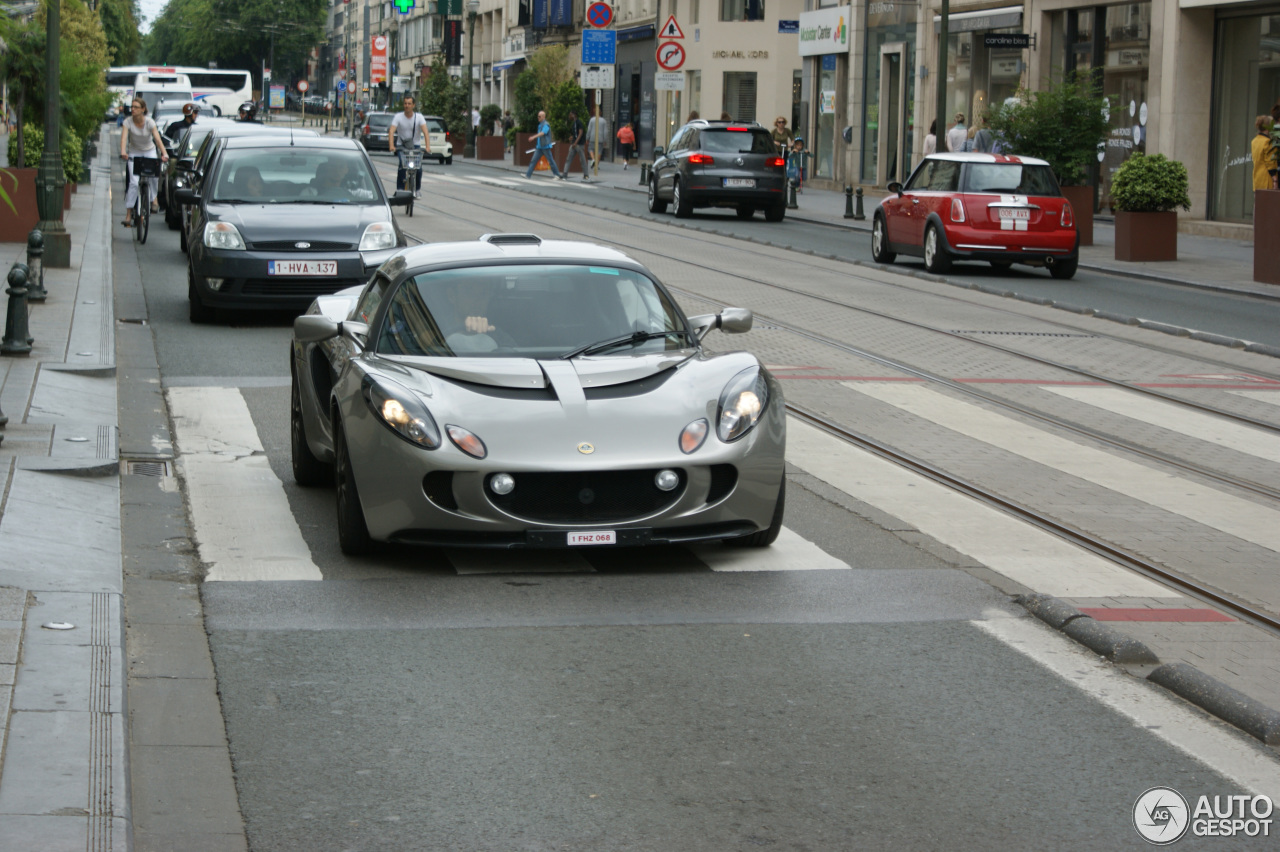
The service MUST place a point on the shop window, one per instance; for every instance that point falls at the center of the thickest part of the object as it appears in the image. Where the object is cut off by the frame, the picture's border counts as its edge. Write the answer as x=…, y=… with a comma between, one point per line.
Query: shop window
x=740, y=95
x=1247, y=85
x=695, y=92
x=742, y=10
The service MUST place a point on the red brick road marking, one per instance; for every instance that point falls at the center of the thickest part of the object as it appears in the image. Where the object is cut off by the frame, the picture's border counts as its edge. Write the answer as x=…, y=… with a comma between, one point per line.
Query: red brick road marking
x=1144, y=614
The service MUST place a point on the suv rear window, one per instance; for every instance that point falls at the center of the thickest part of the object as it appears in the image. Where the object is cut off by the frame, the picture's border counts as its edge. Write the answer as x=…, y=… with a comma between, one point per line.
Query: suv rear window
x=435, y=125
x=379, y=120
x=718, y=140
x=1010, y=179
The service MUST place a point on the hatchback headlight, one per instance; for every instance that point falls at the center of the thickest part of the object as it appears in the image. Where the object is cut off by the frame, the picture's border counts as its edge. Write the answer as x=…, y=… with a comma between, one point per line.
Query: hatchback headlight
x=222, y=235
x=741, y=403
x=379, y=235
x=402, y=412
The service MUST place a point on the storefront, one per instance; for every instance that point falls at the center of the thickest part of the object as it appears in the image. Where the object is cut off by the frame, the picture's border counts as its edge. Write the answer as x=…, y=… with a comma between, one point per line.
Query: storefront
x=636, y=99
x=825, y=36
x=889, y=91
x=979, y=76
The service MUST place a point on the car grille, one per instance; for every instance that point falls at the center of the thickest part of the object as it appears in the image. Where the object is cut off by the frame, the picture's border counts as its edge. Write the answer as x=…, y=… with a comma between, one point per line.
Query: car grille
x=292, y=245
x=586, y=497
x=297, y=287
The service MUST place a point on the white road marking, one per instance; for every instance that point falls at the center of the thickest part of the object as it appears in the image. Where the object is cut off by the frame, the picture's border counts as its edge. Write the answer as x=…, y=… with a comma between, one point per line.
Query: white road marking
x=791, y=552
x=241, y=517
x=1185, y=497
x=450, y=179
x=1218, y=746
x=1269, y=397
x=498, y=181
x=1206, y=427
x=1017, y=550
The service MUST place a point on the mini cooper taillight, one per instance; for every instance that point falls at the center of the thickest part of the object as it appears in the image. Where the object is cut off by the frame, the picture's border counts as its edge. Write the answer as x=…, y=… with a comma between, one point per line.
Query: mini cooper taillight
x=957, y=210
x=1068, y=219
x=702, y=159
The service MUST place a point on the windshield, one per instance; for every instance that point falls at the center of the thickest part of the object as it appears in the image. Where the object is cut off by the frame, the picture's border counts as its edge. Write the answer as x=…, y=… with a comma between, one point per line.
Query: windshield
x=1010, y=179
x=534, y=311
x=736, y=141
x=289, y=175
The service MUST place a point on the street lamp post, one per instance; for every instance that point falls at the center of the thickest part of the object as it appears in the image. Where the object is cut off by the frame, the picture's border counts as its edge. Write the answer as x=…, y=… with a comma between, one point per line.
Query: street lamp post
x=50, y=178
x=473, y=7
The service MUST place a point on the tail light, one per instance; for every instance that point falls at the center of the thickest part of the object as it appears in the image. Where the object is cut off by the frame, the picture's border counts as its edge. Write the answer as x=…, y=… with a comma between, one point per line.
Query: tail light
x=702, y=159
x=1068, y=218
x=775, y=162
x=957, y=210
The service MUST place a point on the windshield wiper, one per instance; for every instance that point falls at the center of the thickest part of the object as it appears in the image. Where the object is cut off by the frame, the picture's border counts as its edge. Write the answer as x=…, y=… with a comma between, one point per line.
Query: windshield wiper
x=632, y=338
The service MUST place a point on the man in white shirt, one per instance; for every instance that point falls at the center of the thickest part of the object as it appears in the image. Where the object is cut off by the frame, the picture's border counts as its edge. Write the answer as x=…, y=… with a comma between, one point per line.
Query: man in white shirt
x=957, y=135
x=597, y=137
x=407, y=128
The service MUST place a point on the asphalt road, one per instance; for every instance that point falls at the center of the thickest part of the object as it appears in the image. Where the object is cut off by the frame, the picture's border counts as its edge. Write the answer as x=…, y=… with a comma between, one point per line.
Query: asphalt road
x=653, y=704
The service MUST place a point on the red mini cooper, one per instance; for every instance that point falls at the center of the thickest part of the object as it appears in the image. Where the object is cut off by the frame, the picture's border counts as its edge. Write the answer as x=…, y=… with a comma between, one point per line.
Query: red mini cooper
x=991, y=207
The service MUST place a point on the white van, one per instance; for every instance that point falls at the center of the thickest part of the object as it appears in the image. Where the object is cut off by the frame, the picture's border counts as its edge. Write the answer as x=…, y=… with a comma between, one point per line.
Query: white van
x=153, y=95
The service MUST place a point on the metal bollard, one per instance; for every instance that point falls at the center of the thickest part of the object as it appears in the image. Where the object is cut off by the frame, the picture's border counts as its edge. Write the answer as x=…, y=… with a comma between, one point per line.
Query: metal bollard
x=35, y=262
x=858, y=214
x=16, y=340
x=848, y=201
x=644, y=174
x=791, y=195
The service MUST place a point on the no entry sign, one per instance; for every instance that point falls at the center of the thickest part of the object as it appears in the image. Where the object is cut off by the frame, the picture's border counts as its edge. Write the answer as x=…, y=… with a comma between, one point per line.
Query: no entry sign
x=670, y=56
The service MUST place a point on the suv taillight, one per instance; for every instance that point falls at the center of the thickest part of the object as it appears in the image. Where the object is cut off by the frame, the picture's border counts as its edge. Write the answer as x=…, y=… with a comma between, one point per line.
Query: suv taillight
x=775, y=162
x=702, y=159
x=1068, y=219
x=957, y=210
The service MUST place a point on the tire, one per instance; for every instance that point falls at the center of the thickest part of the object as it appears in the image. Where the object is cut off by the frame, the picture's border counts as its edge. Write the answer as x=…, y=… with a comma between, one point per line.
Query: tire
x=197, y=311
x=307, y=469
x=769, y=534
x=681, y=201
x=143, y=226
x=353, y=532
x=656, y=204
x=173, y=217
x=448, y=161
x=746, y=211
x=1002, y=265
x=1066, y=269
x=936, y=259
x=182, y=239
x=880, y=241
x=776, y=213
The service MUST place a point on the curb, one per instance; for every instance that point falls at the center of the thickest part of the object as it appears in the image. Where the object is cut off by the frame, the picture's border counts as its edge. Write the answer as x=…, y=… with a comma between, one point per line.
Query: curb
x=1182, y=679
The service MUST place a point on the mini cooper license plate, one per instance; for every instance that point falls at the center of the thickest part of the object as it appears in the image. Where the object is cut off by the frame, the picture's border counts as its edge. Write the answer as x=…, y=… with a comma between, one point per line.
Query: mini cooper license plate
x=741, y=183
x=302, y=267
x=592, y=537
x=1015, y=213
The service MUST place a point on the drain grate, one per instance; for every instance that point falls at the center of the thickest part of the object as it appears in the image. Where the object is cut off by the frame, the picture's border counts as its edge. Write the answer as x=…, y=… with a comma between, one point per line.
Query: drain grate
x=1023, y=333
x=141, y=467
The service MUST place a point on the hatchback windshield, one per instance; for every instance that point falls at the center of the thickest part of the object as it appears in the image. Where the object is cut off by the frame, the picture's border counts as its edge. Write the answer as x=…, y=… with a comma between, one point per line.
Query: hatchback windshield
x=736, y=141
x=290, y=175
x=536, y=311
x=1010, y=179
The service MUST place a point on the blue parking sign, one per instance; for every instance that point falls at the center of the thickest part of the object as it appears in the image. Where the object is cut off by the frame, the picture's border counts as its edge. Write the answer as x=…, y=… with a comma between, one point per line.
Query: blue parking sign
x=599, y=47
x=342, y=85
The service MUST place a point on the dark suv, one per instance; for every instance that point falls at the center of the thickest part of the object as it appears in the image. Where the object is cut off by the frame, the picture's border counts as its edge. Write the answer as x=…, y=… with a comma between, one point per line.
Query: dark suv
x=719, y=164
x=373, y=133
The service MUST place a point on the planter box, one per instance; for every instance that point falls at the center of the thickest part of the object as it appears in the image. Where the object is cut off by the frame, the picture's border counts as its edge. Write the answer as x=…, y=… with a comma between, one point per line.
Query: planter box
x=67, y=189
x=1266, y=220
x=1145, y=237
x=524, y=141
x=1081, y=198
x=491, y=148
x=20, y=186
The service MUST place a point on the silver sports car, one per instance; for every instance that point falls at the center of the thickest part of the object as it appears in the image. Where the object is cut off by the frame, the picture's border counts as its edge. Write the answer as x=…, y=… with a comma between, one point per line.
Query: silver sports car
x=514, y=392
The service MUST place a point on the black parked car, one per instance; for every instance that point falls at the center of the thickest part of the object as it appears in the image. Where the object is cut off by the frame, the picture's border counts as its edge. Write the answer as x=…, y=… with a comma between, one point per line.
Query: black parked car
x=373, y=133
x=280, y=220
x=719, y=164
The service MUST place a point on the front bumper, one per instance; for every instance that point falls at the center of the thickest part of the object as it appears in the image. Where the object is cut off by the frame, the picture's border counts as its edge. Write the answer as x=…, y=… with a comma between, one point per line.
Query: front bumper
x=240, y=280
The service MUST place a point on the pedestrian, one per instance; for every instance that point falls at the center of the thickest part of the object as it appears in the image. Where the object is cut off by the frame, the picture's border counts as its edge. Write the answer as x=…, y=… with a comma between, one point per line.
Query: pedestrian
x=597, y=138
x=724, y=116
x=507, y=123
x=693, y=113
x=1264, y=162
x=781, y=135
x=407, y=128
x=542, y=148
x=931, y=140
x=626, y=141
x=122, y=115
x=957, y=135
x=984, y=138
x=139, y=138
x=577, y=138
x=795, y=163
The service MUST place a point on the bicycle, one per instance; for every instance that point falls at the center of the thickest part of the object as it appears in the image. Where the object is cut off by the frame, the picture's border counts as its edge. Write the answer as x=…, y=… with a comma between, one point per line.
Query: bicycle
x=143, y=168
x=412, y=164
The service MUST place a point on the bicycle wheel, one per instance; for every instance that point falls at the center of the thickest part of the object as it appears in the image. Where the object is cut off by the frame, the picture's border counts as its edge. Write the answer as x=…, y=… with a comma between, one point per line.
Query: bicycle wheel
x=137, y=216
x=144, y=210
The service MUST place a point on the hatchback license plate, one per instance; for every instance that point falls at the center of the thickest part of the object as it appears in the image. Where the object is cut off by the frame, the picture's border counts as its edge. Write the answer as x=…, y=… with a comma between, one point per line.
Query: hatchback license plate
x=1015, y=213
x=748, y=183
x=592, y=537
x=303, y=267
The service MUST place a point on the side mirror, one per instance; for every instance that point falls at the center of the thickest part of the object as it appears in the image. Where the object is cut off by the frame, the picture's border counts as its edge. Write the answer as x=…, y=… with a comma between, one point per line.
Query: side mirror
x=730, y=321
x=658, y=151
x=186, y=164
x=186, y=196
x=402, y=198
x=315, y=328
x=895, y=186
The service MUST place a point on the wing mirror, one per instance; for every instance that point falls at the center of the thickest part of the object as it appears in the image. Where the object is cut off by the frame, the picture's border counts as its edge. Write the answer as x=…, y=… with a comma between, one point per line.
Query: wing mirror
x=402, y=198
x=315, y=328
x=730, y=321
x=895, y=186
x=658, y=151
x=186, y=196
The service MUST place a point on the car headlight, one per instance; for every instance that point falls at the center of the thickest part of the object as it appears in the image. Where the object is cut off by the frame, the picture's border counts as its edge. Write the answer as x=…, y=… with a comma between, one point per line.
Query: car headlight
x=402, y=412
x=379, y=235
x=742, y=402
x=222, y=235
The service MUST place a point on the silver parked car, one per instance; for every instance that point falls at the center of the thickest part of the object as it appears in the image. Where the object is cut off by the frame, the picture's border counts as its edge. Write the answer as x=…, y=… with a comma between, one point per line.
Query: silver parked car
x=514, y=392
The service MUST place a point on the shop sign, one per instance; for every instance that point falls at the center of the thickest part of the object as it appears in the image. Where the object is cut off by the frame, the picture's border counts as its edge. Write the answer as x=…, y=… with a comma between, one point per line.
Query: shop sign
x=789, y=27
x=976, y=22
x=1019, y=40
x=1128, y=58
x=825, y=31
x=890, y=13
x=739, y=54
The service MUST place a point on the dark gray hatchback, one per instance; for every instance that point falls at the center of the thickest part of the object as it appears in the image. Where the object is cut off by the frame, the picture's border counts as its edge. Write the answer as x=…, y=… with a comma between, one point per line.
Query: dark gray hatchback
x=719, y=164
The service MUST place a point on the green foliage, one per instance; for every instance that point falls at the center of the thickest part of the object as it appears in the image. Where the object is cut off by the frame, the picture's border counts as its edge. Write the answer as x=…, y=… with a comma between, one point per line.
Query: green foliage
x=443, y=96
x=527, y=103
x=72, y=151
x=489, y=115
x=568, y=97
x=1150, y=184
x=551, y=67
x=120, y=26
x=1061, y=125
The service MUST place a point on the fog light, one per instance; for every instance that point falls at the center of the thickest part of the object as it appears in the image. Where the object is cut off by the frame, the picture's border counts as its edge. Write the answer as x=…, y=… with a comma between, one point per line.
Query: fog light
x=215, y=283
x=502, y=483
x=666, y=480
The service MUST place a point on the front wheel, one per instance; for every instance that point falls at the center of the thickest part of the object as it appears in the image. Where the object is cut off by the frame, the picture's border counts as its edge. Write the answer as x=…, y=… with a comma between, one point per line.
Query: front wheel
x=144, y=213
x=769, y=534
x=353, y=532
x=656, y=204
x=880, y=241
x=197, y=311
x=936, y=259
x=1064, y=270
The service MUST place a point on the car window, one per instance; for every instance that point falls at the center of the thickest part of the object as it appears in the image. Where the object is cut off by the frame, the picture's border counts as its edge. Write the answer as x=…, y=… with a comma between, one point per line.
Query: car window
x=371, y=298
x=736, y=141
x=193, y=140
x=681, y=139
x=1010, y=179
x=944, y=177
x=536, y=311
x=434, y=125
x=288, y=174
x=920, y=177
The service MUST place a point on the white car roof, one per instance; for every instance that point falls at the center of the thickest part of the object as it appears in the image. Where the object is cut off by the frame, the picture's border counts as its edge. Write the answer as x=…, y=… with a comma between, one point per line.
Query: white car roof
x=972, y=157
x=504, y=247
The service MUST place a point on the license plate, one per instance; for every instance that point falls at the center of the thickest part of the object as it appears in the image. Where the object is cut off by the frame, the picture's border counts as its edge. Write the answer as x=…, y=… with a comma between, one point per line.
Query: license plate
x=302, y=267
x=592, y=537
x=748, y=183
x=1014, y=213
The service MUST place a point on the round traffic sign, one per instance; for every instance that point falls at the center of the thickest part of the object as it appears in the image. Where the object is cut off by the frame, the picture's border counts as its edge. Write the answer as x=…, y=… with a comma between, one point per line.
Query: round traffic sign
x=342, y=85
x=600, y=14
x=303, y=85
x=670, y=55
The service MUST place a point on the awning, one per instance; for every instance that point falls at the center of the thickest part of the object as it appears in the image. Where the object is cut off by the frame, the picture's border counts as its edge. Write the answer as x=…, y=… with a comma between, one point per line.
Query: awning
x=985, y=19
x=504, y=64
x=636, y=33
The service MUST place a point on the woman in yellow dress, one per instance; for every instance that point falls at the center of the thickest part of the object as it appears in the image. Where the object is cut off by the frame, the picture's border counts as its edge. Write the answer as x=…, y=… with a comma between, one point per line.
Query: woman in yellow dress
x=1263, y=161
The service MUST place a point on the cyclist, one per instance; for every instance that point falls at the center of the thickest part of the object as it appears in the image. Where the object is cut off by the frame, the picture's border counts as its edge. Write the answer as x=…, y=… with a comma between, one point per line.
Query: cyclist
x=139, y=138
x=404, y=127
